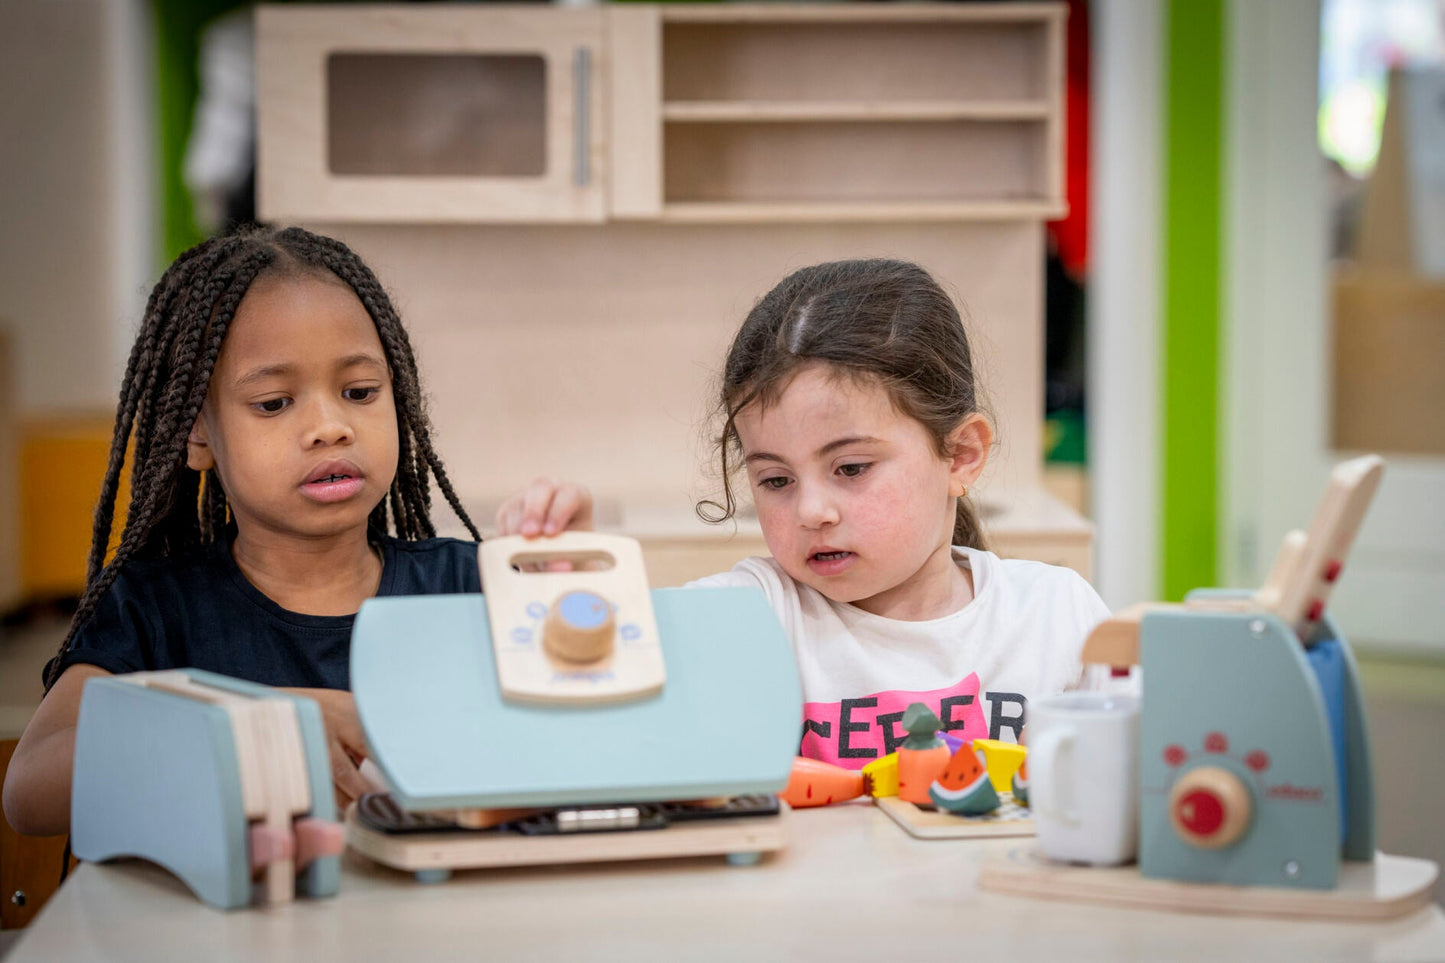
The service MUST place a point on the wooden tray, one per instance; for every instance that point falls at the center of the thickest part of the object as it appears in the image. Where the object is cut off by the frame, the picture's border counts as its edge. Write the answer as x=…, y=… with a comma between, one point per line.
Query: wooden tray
x=1388, y=887
x=1010, y=819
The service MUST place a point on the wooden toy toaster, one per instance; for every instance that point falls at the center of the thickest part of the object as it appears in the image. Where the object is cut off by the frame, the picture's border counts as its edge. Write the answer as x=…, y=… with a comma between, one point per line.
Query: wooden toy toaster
x=197, y=771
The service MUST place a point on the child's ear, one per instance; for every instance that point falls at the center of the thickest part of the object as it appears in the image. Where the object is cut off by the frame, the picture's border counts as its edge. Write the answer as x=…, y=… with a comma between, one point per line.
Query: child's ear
x=968, y=447
x=198, y=448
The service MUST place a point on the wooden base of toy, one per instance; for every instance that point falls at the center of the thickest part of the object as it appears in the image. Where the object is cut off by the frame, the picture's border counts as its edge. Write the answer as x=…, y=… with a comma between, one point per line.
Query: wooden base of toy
x=1388, y=887
x=1009, y=819
x=432, y=856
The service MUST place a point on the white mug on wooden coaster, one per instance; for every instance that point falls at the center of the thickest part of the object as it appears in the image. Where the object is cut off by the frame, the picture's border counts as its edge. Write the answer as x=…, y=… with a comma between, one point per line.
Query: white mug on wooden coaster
x=1084, y=776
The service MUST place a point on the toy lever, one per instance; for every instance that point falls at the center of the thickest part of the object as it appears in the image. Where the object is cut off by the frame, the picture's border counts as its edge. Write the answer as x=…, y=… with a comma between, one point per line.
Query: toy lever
x=1308, y=565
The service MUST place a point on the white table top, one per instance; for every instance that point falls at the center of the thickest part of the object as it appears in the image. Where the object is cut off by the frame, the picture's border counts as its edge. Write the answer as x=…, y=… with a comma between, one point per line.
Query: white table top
x=850, y=886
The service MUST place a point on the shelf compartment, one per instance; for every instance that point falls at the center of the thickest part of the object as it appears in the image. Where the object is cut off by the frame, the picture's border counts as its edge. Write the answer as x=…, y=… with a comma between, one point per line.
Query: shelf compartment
x=787, y=111
x=829, y=162
x=887, y=60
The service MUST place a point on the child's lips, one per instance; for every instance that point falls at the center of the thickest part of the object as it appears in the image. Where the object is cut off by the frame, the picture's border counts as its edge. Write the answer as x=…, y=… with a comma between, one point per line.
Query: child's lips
x=334, y=481
x=831, y=561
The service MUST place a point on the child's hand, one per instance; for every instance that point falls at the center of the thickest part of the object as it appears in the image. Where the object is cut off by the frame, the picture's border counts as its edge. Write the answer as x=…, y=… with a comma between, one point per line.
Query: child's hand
x=546, y=507
x=345, y=741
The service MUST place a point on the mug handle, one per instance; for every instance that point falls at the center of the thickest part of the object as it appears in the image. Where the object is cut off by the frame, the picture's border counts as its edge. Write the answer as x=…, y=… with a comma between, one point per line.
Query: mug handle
x=1044, y=771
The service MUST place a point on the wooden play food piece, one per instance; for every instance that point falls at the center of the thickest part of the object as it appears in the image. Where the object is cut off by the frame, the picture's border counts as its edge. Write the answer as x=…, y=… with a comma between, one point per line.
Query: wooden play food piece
x=1210, y=807
x=964, y=785
x=922, y=755
x=883, y=774
x=1020, y=783
x=814, y=782
x=579, y=628
x=1002, y=758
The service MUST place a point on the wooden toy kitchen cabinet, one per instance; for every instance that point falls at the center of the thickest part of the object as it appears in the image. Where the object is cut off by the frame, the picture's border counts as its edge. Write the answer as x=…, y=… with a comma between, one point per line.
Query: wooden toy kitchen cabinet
x=574, y=208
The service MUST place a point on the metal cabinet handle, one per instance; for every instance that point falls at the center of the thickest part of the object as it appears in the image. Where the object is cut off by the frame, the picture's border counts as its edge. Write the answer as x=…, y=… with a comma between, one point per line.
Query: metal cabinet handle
x=582, y=134
x=17, y=898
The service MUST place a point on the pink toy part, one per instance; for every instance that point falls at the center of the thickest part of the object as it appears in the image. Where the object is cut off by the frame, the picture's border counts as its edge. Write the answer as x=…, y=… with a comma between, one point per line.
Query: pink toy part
x=316, y=838
x=268, y=845
x=870, y=728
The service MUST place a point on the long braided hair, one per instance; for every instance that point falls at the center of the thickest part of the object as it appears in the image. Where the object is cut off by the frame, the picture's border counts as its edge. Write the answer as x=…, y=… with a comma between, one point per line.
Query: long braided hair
x=174, y=508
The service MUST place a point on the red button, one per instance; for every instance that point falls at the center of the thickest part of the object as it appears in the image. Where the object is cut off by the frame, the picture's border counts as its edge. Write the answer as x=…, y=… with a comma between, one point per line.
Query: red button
x=1332, y=570
x=1201, y=812
x=1317, y=609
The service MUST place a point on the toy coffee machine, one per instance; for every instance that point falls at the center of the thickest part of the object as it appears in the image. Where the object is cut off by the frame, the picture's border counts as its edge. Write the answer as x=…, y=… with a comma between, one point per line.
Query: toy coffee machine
x=1254, y=761
x=572, y=715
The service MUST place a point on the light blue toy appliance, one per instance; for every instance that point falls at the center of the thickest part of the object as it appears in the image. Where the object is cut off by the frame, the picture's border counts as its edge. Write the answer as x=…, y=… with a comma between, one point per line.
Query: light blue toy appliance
x=1254, y=761
x=576, y=688
x=178, y=767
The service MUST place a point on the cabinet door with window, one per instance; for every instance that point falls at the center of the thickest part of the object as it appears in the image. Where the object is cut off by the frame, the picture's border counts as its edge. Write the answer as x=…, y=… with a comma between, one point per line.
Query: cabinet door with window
x=440, y=114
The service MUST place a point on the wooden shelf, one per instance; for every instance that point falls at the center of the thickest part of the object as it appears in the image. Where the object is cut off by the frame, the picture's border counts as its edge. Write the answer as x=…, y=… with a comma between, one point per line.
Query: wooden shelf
x=731, y=212
x=861, y=13
x=792, y=111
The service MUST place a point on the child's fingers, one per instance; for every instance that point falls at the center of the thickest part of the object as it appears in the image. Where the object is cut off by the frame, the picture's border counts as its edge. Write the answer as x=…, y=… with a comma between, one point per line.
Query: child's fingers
x=509, y=517
x=571, y=508
x=536, y=506
x=345, y=776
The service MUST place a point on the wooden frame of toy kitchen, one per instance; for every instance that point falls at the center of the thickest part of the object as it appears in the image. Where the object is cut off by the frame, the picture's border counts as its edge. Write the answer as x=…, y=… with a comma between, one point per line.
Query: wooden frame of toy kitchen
x=574, y=208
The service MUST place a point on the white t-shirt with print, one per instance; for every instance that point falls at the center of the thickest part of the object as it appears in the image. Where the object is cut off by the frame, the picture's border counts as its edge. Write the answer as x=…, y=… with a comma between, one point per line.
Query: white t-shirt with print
x=1017, y=640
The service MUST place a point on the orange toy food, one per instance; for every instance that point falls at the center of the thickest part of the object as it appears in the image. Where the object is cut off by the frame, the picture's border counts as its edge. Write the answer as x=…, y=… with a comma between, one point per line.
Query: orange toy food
x=922, y=755
x=817, y=783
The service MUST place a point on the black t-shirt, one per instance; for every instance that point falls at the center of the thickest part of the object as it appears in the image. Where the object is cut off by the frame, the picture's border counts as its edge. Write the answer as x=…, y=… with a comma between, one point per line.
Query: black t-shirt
x=199, y=611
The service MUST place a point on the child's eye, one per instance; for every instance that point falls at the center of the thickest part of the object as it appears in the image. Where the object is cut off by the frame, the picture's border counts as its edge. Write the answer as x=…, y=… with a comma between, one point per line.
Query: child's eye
x=360, y=394
x=272, y=406
x=775, y=483
x=854, y=470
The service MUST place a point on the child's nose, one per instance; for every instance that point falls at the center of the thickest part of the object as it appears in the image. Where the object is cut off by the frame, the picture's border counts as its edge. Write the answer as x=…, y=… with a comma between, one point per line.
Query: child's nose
x=815, y=508
x=328, y=426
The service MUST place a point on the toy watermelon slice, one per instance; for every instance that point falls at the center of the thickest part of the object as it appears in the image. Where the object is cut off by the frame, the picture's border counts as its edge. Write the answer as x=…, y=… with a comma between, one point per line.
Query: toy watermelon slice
x=964, y=786
x=1021, y=783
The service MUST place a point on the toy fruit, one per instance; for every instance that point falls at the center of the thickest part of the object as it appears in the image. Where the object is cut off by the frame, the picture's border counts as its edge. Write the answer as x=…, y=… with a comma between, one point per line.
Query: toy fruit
x=1002, y=759
x=814, y=782
x=1021, y=784
x=963, y=786
x=922, y=755
x=884, y=775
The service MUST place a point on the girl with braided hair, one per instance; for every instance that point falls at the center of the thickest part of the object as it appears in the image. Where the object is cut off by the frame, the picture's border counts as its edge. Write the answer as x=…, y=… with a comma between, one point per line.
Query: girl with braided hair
x=277, y=431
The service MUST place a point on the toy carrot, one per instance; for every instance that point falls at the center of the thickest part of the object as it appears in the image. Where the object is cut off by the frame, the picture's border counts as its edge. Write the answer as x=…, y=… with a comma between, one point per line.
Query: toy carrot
x=922, y=756
x=817, y=783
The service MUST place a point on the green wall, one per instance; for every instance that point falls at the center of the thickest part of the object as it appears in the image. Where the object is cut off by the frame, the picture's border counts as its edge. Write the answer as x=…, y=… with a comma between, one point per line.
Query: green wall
x=1193, y=293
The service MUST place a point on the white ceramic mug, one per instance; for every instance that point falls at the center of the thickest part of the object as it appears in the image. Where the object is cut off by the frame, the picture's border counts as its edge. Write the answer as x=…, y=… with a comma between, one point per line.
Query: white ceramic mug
x=1084, y=776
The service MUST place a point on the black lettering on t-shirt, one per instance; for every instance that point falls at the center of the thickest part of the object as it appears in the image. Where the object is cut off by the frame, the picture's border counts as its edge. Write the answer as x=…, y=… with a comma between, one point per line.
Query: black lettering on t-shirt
x=847, y=725
x=892, y=738
x=945, y=711
x=998, y=721
x=822, y=729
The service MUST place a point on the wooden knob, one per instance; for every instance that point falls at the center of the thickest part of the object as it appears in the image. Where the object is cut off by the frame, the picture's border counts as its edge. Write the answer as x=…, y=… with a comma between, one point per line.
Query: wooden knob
x=579, y=628
x=1210, y=807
